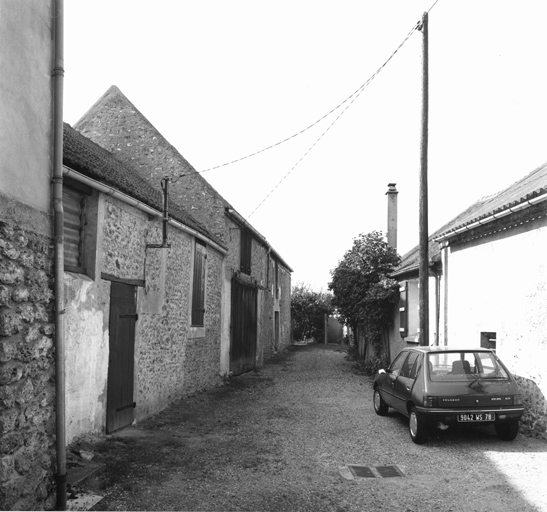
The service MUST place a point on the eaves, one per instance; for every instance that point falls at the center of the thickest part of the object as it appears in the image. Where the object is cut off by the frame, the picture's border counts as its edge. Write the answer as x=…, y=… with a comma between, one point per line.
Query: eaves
x=512, y=208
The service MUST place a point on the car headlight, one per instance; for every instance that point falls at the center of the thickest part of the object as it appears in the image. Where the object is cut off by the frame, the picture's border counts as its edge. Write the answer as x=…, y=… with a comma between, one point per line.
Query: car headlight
x=430, y=401
x=517, y=400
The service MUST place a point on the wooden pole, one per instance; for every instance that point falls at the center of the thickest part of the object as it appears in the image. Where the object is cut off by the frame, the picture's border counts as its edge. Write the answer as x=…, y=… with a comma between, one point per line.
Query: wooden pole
x=423, y=232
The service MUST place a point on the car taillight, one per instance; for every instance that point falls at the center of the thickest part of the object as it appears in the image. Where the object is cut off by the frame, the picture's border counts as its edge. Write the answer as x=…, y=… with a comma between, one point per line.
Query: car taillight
x=431, y=401
x=517, y=400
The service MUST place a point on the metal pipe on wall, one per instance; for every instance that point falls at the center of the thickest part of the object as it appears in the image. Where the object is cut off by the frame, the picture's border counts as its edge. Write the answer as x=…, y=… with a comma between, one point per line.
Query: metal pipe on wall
x=58, y=224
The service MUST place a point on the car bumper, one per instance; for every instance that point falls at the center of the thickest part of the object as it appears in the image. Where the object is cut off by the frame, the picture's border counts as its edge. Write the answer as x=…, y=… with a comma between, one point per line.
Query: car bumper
x=434, y=415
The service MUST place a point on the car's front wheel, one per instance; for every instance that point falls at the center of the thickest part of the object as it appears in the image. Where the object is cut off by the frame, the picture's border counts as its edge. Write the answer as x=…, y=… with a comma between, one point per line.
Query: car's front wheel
x=417, y=428
x=507, y=431
x=380, y=407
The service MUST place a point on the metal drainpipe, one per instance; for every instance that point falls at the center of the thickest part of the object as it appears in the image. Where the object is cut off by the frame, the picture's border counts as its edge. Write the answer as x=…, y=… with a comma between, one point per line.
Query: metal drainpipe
x=60, y=428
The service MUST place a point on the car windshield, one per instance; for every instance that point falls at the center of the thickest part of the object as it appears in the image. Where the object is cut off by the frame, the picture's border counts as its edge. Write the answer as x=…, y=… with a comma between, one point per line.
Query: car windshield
x=464, y=366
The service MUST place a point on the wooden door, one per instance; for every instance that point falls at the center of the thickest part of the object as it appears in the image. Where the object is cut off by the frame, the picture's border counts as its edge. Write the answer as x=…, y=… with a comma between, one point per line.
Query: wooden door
x=121, y=364
x=243, y=327
x=276, y=329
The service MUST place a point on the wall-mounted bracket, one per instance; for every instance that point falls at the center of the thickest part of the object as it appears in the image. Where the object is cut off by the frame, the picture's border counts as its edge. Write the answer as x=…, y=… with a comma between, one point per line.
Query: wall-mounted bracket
x=164, y=244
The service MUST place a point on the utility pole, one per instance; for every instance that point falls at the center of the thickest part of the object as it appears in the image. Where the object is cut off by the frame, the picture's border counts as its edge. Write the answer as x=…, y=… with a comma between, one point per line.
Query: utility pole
x=423, y=232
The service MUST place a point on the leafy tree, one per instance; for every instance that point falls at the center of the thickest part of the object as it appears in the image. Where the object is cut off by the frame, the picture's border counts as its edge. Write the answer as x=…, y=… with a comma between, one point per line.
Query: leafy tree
x=364, y=293
x=308, y=310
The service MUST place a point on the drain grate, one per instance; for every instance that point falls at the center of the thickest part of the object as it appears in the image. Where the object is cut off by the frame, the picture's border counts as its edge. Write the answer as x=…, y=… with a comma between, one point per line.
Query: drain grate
x=362, y=472
x=375, y=471
x=389, y=471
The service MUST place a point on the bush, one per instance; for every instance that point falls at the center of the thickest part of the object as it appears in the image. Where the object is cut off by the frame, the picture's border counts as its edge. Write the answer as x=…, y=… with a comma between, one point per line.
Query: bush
x=371, y=366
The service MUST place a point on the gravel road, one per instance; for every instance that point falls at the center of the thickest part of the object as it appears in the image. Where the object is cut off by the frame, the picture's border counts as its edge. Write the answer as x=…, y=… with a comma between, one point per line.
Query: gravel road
x=280, y=439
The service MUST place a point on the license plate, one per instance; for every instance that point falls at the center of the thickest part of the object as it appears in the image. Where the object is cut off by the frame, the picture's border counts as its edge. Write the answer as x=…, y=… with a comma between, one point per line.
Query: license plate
x=478, y=416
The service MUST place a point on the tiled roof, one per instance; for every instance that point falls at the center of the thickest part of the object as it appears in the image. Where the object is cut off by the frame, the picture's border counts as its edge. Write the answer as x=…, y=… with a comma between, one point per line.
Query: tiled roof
x=531, y=186
x=91, y=160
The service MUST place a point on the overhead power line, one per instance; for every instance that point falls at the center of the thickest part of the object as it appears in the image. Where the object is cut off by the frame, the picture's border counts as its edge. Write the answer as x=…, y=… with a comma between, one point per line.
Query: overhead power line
x=353, y=97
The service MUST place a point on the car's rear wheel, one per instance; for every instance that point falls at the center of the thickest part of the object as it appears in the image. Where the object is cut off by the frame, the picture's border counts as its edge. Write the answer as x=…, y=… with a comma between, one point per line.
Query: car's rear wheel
x=507, y=431
x=380, y=407
x=417, y=428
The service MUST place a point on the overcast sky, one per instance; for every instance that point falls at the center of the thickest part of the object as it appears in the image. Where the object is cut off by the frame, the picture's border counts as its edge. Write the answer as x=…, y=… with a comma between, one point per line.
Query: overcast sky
x=221, y=79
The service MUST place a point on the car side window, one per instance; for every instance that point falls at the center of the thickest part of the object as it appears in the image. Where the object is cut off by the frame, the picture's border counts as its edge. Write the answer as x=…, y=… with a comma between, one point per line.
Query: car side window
x=396, y=366
x=408, y=366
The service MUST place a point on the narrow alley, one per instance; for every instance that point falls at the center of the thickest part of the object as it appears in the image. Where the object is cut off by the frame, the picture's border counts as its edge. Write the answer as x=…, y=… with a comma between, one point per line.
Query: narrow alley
x=281, y=439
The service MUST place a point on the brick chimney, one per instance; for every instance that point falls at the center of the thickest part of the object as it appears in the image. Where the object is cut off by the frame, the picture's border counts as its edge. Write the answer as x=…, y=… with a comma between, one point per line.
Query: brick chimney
x=392, y=215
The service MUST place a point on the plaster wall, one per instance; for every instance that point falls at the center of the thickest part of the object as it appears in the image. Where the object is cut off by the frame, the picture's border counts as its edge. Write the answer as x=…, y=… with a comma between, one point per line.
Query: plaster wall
x=500, y=285
x=87, y=304
x=26, y=62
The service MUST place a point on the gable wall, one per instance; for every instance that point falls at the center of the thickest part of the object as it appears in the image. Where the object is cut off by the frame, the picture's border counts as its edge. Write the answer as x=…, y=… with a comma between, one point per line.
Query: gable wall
x=120, y=129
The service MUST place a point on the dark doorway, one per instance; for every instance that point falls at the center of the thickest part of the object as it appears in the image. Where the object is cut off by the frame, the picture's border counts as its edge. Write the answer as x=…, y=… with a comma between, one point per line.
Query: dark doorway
x=121, y=363
x=243, y=327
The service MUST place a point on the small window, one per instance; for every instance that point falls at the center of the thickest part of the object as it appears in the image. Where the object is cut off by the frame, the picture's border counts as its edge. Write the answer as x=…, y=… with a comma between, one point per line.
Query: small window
x=198, y=286
x=245, y=251
x=74, y=228
x=488, y=340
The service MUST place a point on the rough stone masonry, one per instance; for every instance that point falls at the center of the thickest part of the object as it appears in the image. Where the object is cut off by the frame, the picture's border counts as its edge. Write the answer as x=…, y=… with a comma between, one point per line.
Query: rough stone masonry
x=27, y=396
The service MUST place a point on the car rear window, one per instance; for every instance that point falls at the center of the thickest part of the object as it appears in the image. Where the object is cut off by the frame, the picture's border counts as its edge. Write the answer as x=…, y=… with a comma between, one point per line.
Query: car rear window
x=464, y=365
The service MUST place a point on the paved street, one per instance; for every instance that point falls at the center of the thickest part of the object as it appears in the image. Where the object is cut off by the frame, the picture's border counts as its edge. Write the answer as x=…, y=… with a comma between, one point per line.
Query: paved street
x=281, y=439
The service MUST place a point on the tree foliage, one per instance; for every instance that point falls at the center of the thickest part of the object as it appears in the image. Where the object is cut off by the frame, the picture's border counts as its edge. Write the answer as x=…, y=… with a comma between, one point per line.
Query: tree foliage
x=364, y=293
x=308, y=310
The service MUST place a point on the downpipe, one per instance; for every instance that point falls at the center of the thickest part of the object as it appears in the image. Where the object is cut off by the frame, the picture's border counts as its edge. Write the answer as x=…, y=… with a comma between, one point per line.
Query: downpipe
x=58, y=225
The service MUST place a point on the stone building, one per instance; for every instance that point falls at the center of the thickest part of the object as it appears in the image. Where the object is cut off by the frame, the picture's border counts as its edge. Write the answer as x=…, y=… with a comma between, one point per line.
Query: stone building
x=103, y=319
x=256, y=280
x=142, y=321
x=488, y=287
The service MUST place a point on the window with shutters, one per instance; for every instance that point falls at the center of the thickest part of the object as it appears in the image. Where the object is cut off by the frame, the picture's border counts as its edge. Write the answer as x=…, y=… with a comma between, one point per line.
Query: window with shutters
x=409, y=302
x=246, y=244
x=74, y=229
x=198, y=285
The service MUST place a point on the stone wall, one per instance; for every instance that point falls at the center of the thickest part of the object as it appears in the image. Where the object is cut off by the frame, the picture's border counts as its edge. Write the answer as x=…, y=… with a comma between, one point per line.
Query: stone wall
x=169, y=363
x=27, y=365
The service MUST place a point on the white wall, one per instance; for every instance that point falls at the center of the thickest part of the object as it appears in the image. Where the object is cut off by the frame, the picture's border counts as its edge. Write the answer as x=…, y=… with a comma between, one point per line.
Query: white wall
x=25, y=101
x=501, y=286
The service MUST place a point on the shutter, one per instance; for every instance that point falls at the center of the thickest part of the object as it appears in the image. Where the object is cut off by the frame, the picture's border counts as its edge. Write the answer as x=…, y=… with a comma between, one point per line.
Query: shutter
x=246, y=251
x=403, y=309
x=198, y=288
x=73, y=229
